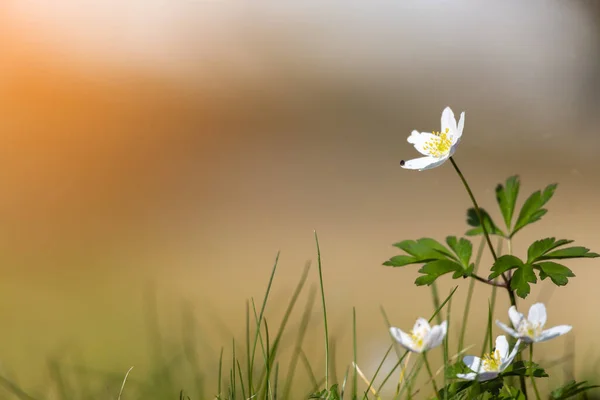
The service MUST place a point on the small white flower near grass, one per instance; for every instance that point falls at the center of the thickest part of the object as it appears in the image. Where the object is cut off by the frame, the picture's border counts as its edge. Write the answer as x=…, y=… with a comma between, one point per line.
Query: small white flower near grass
x=531, y=329
x=437, y=147
x=423, y=337
x=491, y=365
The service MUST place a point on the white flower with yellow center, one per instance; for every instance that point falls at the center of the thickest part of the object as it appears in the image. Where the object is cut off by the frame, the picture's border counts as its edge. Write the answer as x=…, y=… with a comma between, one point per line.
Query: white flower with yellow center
x=491, y=365
x=531, y=329
x=437, y=147
x=423, y=337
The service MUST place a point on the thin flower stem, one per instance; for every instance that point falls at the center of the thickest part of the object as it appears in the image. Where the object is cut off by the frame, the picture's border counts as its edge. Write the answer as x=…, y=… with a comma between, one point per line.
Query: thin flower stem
x=535, y=389
x=431, y=376
x=513, y=300
x=511, y=293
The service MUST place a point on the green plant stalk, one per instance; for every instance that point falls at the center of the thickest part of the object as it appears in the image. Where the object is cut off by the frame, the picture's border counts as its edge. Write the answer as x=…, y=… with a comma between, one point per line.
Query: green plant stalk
x=535, y=389
x=433, y=384
x=324, y=313
x=511, y=293
x=513, y=300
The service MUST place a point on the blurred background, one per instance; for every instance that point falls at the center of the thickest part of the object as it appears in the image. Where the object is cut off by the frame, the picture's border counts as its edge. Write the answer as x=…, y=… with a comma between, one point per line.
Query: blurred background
x=155, y=155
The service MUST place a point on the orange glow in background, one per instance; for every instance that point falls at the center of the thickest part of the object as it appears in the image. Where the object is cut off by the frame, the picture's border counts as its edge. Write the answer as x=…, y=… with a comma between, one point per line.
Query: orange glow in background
x=179, y=145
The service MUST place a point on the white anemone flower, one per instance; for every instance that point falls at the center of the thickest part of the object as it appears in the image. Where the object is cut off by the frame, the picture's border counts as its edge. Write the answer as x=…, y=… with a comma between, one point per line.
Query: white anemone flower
x=423, y=337
x=492, y=364
x=531, y=329
x=437, y=147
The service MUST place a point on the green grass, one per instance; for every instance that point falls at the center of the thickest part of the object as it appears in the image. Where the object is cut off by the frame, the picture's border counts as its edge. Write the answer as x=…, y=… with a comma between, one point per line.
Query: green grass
x=269, y=361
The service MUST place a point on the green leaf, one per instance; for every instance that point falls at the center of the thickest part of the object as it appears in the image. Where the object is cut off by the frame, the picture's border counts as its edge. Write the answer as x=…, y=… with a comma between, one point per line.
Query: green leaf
x=434, y=269
x=490, y=226
x=511, y=393
x=401, y=261
x=503, y=264
x=532, y=210
x=557, y=272
x=331, y=394
x=570, y=389
x=419, y=251
x=507, y=198
x=541, y=247
x=424, y=249
x=525, y=368
x=521, y=279
x=569, y=252
x=463, y=248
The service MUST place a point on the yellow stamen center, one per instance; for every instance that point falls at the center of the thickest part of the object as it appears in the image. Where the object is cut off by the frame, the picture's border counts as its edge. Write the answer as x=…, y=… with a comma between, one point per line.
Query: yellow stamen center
x=530, y=330
x=417, y=338
x=439, y=145
x=492, y=361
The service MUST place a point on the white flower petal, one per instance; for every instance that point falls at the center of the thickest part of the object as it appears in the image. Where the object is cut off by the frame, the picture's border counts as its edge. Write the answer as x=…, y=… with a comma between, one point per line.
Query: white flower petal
x=553, y=332
x=507, y=329
x=420, y=139
x=461, y=126
x=506, y=362
x=421, y=324
x=502, y=346
x=486, y=376
x=404, y=339
x=515, y=317
x=537, y=314
x=423, y=163
x=452, y=149
x=470, y=376
x=473, y=362
x=448, y=121
x=436, y=336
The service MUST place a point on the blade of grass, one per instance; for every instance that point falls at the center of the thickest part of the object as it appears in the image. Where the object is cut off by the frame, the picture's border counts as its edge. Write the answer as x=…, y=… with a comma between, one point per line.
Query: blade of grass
x=355, y=377
x=389, y=375
x=304, y=322
x=389, y=325
x=385, y=356
x=470, y=291
x=436, y=301
x=239, y=368
x=311, y=374
x=446, y=340
x=15, y=389
x=123, y=384
x=324, y=312
x=220, y=375
x=233, y=362
x=260, y=318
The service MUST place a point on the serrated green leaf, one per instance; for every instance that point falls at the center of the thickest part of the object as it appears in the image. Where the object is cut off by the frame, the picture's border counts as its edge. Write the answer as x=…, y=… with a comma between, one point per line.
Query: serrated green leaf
x=424, y=249
x=401, y=261
x=558, y=273
x=420, y=251
x=569, y=252
x=504, y=264
x=570, y=389
x=490, y=226
x=506, y=195
x=532, y=210
x=521, y=279
x=541, y=247
x=462, y=247
x=434, y=269
x=511, y=393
